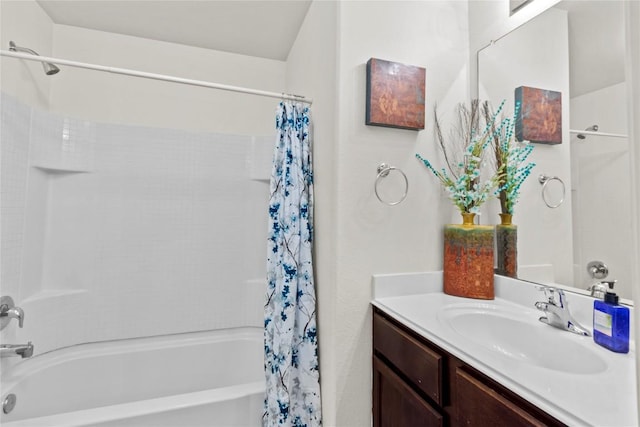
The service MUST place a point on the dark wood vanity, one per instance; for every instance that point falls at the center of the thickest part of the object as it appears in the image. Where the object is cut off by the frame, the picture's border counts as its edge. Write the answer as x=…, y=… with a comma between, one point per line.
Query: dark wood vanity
x=416, y=383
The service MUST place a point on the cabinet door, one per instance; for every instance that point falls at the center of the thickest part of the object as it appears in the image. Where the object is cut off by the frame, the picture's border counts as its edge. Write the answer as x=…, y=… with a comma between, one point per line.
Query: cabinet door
x=395, y=404
x=421, y=365
x=480, y=405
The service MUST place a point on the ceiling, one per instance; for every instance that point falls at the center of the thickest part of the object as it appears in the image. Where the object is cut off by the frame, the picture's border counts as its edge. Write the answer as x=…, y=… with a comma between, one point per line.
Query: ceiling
x=261, y=28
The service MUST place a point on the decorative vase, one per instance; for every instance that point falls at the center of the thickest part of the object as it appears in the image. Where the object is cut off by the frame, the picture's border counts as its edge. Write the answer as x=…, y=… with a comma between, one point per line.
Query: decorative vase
x=507, y=247
x=468, y=259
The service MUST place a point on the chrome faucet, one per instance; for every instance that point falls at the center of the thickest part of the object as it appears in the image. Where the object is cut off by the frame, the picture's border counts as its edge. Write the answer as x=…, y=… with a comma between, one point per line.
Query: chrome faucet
x=13, y=313
x=22, y=350
x=556, y=309
x=9, y=311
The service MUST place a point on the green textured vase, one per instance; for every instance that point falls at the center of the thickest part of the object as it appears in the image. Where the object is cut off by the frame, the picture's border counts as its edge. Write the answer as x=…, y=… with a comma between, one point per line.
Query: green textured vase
x=507, y=247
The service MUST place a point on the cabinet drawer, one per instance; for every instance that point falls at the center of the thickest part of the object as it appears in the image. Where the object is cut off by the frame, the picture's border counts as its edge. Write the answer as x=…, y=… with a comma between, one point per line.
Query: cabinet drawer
x=421, y=365
x=480, y=405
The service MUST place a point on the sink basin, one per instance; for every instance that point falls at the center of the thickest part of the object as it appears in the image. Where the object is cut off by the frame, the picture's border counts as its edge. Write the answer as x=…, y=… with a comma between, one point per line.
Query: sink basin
x=522, y=337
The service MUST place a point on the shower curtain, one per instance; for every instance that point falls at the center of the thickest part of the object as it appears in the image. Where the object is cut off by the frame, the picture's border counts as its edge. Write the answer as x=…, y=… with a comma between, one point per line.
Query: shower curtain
x=290, y=340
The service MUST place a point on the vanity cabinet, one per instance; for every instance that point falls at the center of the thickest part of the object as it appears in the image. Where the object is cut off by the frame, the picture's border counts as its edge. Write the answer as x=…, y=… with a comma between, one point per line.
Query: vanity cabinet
x=416, y=383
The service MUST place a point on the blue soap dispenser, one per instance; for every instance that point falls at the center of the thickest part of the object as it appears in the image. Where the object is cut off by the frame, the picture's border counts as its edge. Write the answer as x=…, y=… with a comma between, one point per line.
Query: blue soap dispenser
x=611, y=323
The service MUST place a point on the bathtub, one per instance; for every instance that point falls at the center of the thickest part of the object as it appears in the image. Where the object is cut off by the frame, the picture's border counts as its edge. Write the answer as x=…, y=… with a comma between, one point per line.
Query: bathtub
x=196, y=379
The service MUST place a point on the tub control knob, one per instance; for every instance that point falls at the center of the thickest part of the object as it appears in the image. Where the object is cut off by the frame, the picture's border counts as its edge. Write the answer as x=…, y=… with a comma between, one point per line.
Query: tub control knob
x=9, y=403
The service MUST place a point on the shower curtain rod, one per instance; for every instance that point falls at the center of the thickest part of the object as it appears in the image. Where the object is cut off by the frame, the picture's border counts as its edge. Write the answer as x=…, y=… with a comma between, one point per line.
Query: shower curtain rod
x=153, y=76
x=588, y=132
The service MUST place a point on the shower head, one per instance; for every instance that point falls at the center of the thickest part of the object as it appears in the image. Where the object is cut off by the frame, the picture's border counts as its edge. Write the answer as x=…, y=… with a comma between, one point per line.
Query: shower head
x=592, y=128
x=49, y=68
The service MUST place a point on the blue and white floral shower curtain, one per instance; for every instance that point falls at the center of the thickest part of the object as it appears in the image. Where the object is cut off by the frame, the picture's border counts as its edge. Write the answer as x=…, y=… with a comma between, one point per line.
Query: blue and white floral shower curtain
x=290, y=339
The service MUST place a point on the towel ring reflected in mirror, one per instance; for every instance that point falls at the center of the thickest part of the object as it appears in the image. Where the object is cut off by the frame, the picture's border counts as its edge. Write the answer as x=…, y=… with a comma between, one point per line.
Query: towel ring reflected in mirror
x=383, y=171
x=545, y=180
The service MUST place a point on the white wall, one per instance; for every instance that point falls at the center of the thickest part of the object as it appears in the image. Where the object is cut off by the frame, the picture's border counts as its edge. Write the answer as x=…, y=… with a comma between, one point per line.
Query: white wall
x=25, y=23
x=602, y=187
x=131, y=100
x=536, y=55
x=311, y=71
x=375, y=238
x=369, y=237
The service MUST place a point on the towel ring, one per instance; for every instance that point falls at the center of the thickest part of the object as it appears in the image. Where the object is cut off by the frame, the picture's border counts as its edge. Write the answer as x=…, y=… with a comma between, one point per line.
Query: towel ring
x=383, y=172
x=544, y=180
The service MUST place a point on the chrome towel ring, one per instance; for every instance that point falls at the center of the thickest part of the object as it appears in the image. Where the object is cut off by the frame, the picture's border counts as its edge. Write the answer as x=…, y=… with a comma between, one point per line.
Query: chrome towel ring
x=383, y=172
x=544, y=180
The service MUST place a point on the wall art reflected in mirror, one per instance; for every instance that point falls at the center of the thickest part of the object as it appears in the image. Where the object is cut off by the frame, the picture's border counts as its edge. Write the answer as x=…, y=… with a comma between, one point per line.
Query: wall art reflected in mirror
x=576, y=229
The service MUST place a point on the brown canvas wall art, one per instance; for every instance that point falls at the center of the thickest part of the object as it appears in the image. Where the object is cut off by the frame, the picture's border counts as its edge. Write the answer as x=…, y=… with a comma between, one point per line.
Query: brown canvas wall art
x=540, y=116
x=395, y=95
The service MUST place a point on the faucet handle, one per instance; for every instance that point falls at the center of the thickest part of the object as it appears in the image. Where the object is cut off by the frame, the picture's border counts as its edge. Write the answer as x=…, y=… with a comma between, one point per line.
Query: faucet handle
x=544, y=288
x=561, y=298
x=599, y=289
x=550, y=293
x=9, y=311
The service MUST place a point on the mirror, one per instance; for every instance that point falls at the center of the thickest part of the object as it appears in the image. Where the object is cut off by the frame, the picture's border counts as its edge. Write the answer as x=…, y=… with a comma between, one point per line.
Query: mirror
x=576, y=48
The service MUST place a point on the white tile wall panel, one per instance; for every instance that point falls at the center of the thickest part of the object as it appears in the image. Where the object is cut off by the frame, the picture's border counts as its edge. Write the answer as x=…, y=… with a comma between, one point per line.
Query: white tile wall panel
x=148, y=231
x=14, y=155
x=61, y=143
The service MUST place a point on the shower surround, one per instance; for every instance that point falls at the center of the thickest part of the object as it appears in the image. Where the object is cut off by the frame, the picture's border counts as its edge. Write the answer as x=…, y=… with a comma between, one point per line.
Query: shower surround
x=114, y=231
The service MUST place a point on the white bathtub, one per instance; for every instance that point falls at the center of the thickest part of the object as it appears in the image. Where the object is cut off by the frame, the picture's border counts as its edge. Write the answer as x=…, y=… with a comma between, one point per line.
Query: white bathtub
x=197, y=379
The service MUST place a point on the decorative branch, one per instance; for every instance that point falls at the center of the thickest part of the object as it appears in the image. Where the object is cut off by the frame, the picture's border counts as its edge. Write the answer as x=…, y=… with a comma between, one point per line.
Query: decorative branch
x=510, y=157
x=463, y=180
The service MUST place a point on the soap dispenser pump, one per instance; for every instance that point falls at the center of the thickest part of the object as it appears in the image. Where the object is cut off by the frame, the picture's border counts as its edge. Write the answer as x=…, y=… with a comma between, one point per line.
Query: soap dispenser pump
x=611, y=322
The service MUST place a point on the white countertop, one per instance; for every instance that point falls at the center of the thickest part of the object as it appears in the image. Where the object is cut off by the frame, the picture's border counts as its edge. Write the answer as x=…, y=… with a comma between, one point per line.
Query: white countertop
x=604, y=398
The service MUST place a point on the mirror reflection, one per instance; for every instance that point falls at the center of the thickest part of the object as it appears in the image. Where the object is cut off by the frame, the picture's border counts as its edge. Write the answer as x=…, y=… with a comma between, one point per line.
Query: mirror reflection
x=574, y=214
x=516, y=5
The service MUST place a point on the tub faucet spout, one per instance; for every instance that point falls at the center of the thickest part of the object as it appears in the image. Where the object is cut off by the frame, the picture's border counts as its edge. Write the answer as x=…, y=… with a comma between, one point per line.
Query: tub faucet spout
x=557, y=312
x=22, y=350
x=13, y=313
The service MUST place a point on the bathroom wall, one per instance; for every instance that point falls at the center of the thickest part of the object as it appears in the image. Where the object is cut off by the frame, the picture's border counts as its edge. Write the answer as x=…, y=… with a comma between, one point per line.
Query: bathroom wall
x=27, y=25
x=536, y=55
x=311, y=70
x=372, y=237
x=601, y=186
x=132, y=100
